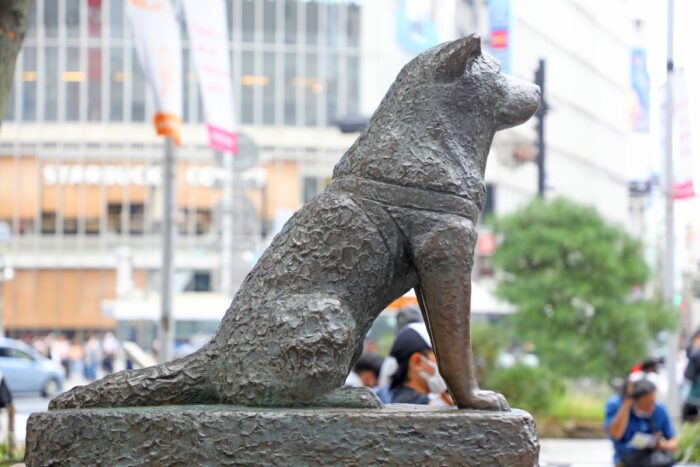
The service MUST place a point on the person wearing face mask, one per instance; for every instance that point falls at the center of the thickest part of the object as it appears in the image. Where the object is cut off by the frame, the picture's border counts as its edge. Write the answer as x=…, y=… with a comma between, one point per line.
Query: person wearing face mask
x=639, y=427
x=416, y=376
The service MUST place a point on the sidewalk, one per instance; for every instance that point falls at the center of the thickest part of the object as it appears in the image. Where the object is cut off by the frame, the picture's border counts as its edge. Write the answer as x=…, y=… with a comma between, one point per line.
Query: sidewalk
x=579, y=453
x=575, y=452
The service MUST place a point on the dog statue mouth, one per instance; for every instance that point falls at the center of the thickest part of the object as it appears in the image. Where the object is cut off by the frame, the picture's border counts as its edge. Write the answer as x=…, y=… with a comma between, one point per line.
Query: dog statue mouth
x=522, y=102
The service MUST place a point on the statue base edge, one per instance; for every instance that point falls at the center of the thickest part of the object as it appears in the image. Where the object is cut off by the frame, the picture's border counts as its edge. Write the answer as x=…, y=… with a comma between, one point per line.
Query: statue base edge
x=220, y=435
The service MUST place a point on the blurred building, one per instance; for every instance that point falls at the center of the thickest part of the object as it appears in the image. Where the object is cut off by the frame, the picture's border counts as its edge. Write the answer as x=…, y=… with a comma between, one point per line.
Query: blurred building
x=80, y=164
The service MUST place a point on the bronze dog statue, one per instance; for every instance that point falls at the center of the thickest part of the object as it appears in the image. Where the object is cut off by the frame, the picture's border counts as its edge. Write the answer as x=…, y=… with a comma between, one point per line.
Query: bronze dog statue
x=400, y=213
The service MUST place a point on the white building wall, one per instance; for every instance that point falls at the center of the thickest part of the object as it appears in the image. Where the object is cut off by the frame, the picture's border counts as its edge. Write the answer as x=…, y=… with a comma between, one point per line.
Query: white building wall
x=586, y=49
x=586, y=45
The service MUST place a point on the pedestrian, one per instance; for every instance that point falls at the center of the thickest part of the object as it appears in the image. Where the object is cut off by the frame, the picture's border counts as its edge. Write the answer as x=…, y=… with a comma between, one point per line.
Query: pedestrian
x=639, y=427
x=75, y=356
x=110, y=349
x=91, y=358
x=60, y=350
x=366, y=373
x=417, y=374
x=691, y=404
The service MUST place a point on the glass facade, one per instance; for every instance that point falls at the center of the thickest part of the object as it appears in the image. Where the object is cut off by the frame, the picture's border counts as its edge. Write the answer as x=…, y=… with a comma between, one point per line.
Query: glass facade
x=78, y=63
x=81, y=168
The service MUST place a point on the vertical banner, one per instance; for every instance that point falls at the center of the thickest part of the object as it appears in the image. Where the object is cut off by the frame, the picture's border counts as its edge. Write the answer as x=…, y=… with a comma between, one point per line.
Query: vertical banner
x=640, y=90
x=499, y=32
x=208, y=33
x=683, y=171
x=158, y=46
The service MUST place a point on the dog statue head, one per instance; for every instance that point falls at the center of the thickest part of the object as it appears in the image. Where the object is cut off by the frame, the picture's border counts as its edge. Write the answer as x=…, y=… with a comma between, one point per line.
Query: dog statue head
x=459, y=80
x=434, y=127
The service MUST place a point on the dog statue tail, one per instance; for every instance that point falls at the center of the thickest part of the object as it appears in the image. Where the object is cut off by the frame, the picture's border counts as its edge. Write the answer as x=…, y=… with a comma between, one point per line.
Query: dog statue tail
x=179, y=381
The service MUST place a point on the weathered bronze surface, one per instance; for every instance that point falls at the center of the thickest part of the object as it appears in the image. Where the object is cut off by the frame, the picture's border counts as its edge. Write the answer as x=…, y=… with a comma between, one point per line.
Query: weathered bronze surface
x=226, y=435
x=399, y=213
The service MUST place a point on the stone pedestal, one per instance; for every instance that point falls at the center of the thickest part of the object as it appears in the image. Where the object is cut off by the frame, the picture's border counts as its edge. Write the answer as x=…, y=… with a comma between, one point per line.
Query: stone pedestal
x=222, y=435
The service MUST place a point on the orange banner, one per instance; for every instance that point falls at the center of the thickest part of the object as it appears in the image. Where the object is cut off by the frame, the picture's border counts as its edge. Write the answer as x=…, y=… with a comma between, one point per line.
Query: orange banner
x=168, y=125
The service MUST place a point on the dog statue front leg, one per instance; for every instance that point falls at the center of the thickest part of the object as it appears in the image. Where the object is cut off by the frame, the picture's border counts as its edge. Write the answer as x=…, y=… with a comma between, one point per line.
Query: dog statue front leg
x=445, y=299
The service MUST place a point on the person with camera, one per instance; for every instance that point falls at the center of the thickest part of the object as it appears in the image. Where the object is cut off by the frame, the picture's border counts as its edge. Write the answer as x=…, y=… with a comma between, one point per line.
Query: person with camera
x=639, y=427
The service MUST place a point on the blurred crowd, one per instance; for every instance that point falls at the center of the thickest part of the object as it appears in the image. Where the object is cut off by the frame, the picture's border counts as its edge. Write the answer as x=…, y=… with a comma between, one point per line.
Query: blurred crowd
x=81, y=359
x=409, y=374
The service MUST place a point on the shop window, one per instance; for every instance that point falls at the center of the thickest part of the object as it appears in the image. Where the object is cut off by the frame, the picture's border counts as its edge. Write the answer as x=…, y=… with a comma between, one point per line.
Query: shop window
x=200, y=220
x=26, y=226
x=70, y=226
x=203, y=221
x=313, y=186
x=136, y=218
x=92, y=226
x=114, y=218
x=48, y=222
x=135, y=212
x=199, y=282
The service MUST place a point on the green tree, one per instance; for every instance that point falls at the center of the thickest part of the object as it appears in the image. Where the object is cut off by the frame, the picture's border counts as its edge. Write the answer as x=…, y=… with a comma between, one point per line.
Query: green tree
x=571, y=275
x=14, y=19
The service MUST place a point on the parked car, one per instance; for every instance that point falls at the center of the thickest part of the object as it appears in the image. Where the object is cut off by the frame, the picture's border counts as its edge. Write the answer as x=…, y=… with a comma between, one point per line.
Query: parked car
x=26, y=370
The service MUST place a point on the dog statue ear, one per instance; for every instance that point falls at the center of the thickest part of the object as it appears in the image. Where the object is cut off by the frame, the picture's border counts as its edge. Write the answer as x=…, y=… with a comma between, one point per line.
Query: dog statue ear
x=452, y=59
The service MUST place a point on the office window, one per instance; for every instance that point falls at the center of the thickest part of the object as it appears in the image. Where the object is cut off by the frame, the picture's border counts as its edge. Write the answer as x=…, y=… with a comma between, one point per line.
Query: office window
x=94, y=103
x=269, y=20
x=353, y=95
x=331, y=90
x=248, y=20
x=313, y=88
x=10, y=112
x=312, y=22
x=269, y=90
x=117, y=78
x=73, y=76
x=116, y=18
x=72, y=18
x=138, y=90
x=333, y=29
x=249, y=81
x=51, y=83
x=353, y=25
x=290, y=21
x=29, y=78
x=51, y=18
x=291, y=81
x=31, y=27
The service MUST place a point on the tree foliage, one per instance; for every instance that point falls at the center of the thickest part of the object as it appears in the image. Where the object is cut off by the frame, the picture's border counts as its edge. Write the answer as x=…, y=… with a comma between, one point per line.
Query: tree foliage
x=571, y=276
x=14, y=19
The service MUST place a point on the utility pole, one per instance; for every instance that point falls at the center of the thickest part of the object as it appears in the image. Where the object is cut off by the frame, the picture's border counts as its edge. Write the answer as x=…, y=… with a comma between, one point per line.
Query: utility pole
x=540, y=115
x=227, y=226
x=168, y=231
x=669, y=243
